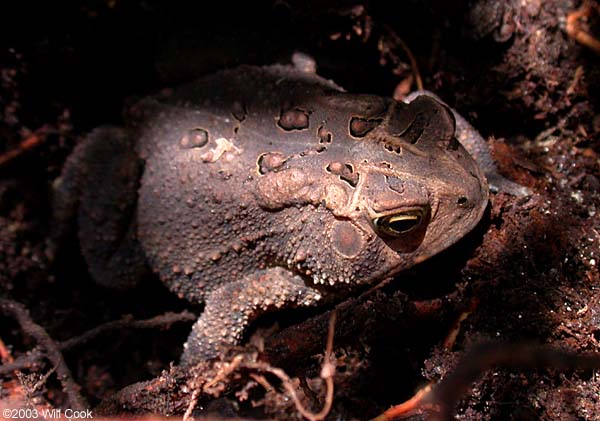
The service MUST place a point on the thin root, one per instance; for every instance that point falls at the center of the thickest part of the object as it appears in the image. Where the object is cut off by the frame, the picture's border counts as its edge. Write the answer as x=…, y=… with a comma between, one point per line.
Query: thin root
x=399, y=42
x=162, y=321
x=5, y=355
x=484, y=357
x=574, y=30
x=36, y=138
x=327, y=373
x=408, y=408
x=21, y=315
x=453, y=334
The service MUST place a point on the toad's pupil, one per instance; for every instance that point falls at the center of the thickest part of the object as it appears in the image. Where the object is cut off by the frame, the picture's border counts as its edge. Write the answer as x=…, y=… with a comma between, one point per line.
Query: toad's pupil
x=399, y=224
x=403, y=223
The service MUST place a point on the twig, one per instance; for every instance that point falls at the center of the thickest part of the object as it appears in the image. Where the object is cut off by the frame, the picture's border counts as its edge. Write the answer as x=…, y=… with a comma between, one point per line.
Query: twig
x=42, y=381
x=417, y=403
x=413, y=61
x=21, y=314
x=574, y=31
x=127, y=322
x=164, y=320
x=223, y=373
x=442, y=398
x=192, y=404
x=4, y=353
x=450, y=339
x=34, y=139
x=409, y=408
x=261, y=380
x=328, y=369
x=23, y=361
x=514, y=355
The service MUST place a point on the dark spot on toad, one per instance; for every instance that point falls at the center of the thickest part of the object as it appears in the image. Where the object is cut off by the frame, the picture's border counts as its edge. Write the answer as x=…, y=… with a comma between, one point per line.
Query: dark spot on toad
x=294, y=119
x=324, y=135
x=270, y=161
x=239, y=111
x=359, y=127
x=194, y=138
x=393, y=148
x=344, y=171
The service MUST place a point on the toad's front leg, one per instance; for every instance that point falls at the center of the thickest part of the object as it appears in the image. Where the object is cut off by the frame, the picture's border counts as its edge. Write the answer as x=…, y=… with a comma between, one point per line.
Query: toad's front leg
x=232, y=307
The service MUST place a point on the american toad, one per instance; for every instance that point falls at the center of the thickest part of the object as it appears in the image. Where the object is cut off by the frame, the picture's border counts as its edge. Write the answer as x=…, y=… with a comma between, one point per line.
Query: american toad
x=256, y=189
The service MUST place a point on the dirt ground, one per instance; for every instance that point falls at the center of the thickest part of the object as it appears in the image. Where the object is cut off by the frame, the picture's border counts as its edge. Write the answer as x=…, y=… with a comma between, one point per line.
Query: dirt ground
x=526, y=73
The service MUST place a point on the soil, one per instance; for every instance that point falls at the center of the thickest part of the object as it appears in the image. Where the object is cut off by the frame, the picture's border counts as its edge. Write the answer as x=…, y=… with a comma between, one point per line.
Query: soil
x=525, y=283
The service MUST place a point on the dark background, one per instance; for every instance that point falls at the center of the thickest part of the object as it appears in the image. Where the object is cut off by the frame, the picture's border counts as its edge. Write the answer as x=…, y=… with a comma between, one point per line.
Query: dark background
x=510, y=67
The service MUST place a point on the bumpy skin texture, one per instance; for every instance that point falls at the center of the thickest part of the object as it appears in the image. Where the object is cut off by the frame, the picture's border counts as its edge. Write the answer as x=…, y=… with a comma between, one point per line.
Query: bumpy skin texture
x=269, y=187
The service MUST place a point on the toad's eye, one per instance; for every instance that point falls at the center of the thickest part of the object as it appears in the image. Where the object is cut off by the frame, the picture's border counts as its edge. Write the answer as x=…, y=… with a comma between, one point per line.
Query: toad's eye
x=400, y=223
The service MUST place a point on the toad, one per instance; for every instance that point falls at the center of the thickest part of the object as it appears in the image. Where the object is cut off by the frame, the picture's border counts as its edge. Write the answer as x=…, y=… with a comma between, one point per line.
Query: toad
x=262, y=188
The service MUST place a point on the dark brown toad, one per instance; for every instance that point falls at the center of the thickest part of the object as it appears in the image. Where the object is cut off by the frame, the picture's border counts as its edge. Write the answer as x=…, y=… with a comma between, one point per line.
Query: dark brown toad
x=257, y=188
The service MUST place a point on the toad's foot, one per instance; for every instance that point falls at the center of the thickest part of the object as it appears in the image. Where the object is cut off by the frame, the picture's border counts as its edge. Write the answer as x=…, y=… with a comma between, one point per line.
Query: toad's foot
x=230, y=308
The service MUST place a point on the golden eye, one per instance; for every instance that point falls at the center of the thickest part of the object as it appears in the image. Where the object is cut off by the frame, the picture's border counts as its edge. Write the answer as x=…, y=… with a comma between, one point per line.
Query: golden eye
x=400, y=223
